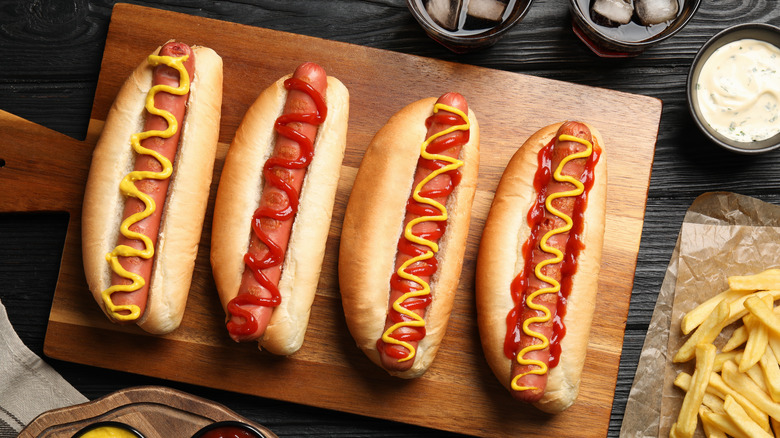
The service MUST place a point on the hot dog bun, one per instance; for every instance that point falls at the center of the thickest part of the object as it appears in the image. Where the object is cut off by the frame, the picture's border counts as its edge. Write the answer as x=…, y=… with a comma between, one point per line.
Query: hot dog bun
x=500, y=260
x=238, y=196
x=373, y=224
x=185, y=208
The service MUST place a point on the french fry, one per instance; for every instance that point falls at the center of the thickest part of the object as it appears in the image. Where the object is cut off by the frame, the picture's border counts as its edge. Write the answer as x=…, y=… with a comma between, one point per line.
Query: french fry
x=771, y=371
x=743, y=421
x=774, y=345
x=738, y=337
x=754, y=373
x=695, y=317
x=683, y=381
x=757, y=376
x=737, y=307
x=764, y=313
x=758, y=339
x=710, y=400
x=746, y=387
x=720, y=358
x=710, y=428
x=766, y=280
x=721, y=389
x=715, y=404
x=673, y=431
x=705, y=333
x=724, y=423
x=774, y=340
x=687, y=418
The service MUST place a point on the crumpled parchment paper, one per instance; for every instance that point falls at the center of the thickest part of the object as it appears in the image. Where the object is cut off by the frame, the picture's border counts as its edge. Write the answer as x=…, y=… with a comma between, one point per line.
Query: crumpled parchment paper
x=723, y=234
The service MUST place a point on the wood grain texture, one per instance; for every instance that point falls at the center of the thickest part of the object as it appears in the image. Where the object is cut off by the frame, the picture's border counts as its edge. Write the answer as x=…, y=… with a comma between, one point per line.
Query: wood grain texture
x=330, y=372
x=50, y=77
x=155, y=411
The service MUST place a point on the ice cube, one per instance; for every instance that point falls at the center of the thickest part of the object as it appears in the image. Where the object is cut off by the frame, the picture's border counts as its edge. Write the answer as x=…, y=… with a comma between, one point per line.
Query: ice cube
x=444, y=12
x=614, y=12
x=656, y=11
x=486, y=9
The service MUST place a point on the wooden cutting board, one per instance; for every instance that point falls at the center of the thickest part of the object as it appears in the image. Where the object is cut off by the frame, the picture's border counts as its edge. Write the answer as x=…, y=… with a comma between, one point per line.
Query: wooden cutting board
x=155, y=411
x=47, y=171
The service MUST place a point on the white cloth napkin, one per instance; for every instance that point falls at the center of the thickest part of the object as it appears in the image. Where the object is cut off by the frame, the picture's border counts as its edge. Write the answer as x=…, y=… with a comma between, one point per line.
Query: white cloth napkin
x=28, y=386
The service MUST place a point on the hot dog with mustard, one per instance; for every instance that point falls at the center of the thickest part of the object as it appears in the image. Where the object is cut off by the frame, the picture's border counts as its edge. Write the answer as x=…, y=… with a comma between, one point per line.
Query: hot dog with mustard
x=148, y=187
x=538, y=264
x=404, y=232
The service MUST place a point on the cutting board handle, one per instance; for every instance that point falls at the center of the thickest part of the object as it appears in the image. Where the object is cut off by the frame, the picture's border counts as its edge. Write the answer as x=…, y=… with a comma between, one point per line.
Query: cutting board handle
x=41, y=169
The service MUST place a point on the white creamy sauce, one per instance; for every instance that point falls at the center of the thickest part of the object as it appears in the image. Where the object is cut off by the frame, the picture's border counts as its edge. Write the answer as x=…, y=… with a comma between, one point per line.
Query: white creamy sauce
x=739, y=90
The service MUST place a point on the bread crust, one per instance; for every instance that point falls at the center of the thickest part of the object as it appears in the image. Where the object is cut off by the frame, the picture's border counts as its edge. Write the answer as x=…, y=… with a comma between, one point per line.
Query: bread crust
x=500, y=259
x=187, y=198
x=238, y=196
x=373, y=223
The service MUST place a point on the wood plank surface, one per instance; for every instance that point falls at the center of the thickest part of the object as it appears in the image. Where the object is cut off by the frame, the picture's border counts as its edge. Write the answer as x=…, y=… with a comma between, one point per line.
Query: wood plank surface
x=329, y=371
x=155, y=411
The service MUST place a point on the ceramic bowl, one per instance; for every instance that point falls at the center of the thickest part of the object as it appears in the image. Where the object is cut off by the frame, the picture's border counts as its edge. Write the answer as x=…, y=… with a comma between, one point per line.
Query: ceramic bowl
x=108, y=425
x=758, y=31
x=228, y=429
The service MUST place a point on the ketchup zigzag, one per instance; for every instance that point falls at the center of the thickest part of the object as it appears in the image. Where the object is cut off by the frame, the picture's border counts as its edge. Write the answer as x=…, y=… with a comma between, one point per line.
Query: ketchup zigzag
x=128, y=188
x=275, y=254
x=540, y=367
x=403, y=315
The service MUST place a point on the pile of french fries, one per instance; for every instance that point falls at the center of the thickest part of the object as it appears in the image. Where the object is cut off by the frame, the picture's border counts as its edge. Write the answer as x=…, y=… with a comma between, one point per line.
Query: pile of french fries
x=735, y=392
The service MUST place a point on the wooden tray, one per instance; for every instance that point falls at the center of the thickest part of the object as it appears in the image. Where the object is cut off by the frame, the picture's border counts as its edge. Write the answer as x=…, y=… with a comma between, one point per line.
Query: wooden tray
x=155, y=411
x=47, y=171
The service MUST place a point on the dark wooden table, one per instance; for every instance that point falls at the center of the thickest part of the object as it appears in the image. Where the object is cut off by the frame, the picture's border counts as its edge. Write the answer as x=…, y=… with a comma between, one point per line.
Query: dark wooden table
x=50, y=54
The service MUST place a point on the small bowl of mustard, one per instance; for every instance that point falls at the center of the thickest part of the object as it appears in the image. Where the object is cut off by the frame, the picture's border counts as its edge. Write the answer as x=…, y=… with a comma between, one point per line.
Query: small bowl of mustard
x=108, y=429
x=733, y=88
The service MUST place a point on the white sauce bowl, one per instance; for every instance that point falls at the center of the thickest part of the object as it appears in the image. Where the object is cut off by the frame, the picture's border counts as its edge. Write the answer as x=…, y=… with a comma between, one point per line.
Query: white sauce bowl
x=755, y=31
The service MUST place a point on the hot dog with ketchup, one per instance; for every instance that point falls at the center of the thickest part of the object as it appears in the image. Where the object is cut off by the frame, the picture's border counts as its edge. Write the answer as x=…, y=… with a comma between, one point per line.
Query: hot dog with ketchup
x=148, y=187
x=405, y=230
x=538, y=263
x=273, y=208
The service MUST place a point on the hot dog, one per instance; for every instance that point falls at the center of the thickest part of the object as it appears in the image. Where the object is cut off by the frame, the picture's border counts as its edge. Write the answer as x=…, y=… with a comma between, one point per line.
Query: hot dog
x=148, y=187
x=538, y=263
x=404, y=232
x=273, y=208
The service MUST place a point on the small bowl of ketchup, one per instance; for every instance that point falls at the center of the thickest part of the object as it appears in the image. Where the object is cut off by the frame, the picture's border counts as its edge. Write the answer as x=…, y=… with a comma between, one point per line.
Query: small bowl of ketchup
x=230, y=429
